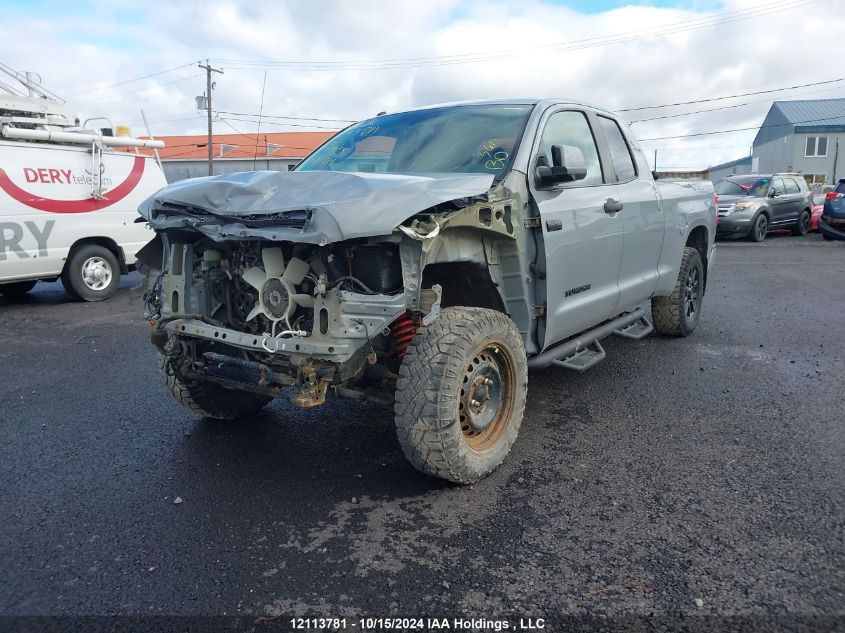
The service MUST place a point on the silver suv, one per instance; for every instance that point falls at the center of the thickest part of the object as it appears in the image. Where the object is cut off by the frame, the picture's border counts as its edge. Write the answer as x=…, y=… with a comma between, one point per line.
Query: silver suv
x=752, y=205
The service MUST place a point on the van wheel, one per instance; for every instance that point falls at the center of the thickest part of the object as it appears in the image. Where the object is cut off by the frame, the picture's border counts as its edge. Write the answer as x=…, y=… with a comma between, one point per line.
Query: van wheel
x=210, y=401
x=803, y=224
x=17, y=289
x=92, y=273
x=461, y=394
x=679, y=313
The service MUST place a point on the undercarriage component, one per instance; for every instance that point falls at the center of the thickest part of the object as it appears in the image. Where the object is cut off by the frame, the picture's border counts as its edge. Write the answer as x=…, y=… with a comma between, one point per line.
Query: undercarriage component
x=312, y=391
x=403, y=330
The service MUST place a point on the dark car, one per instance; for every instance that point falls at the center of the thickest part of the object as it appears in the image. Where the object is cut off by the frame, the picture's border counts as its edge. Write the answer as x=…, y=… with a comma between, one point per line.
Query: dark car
x=752, y=205
x=832, y=222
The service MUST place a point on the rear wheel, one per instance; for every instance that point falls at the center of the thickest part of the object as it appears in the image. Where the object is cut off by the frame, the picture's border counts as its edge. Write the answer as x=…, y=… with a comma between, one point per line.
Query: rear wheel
x=92, y=273
x=759, y=228
x=209, y=400
x=461, y=394
x=803, y=224
x=17, y=288
x=679, y=313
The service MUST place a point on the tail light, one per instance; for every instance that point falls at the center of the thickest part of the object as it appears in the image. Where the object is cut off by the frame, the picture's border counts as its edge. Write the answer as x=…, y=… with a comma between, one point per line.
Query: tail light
x=716, y=198
x=833, y=195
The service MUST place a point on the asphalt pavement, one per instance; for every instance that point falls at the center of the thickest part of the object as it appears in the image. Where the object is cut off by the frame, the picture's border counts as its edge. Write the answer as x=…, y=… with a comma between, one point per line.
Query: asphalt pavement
x=694, y=477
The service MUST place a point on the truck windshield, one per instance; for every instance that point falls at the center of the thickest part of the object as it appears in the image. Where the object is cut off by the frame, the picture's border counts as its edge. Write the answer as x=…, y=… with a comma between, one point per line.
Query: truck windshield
x=454, y=139
x=753, y=186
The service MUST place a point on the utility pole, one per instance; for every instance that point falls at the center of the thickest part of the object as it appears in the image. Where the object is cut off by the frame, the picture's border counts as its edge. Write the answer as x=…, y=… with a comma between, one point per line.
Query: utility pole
x=208, y=70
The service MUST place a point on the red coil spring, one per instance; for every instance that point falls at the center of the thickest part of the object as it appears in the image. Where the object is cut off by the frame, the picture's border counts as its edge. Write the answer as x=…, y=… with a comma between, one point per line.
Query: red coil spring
x=403, y=330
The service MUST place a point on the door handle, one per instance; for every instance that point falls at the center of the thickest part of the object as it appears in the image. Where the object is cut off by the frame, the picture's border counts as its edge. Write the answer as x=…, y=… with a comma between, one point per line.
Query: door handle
x=612, y=206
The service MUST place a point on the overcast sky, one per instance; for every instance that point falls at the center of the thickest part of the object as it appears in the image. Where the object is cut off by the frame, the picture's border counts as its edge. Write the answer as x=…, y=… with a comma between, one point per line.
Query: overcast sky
x=352, y=59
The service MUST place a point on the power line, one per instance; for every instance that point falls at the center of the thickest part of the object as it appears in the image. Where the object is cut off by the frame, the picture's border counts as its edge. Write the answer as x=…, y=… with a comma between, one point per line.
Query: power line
x=265, y=122
x=697, y=23
x=728, y=107
x=740, y=129
x=129, y=81
x=147, y=89
x=736, y=96
x=292, y=118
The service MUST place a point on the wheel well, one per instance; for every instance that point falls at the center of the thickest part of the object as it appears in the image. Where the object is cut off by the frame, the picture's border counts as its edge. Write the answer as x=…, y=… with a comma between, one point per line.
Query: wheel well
x=697, y=239
x=464, y=284
x=105, y=242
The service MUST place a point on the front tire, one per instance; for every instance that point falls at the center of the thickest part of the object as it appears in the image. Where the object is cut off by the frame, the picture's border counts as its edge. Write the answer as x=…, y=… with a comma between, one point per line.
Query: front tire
x=803, y=225
x=461, y=394
x=17, y=288
x=210, y=401
x=679, y=313
x=92, y=273
x=759, y=228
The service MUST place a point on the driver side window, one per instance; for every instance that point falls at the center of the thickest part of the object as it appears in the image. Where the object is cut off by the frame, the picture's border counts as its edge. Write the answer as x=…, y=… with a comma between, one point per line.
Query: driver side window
x=571, y=128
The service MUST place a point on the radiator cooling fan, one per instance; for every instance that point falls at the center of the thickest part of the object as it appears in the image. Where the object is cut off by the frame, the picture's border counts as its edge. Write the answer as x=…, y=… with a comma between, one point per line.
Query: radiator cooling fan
x=276, y=285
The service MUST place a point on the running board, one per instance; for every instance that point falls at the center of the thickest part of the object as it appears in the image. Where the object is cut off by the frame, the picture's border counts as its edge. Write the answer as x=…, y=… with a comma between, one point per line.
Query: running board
x=637, y=330
x=582, y=360
x=584, y=351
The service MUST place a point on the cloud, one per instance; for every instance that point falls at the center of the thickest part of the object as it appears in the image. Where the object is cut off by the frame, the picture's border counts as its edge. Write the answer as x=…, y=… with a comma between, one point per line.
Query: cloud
x=511, y=45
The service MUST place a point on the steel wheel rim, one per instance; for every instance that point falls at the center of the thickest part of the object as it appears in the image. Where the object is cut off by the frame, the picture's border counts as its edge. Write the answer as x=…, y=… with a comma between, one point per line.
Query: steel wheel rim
x=486, y=397
x=762, y=223
x=96, y=273
x=691, y=294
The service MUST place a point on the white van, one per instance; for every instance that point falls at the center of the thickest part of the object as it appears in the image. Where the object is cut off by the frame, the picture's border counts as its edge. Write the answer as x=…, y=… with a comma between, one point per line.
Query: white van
x=68, y=200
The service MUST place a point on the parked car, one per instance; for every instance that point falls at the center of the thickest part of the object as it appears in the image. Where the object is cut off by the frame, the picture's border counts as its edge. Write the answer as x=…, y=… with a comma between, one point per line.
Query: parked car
x=752, y=205
x=818, y=208
x=832, y=222
x=425, y=260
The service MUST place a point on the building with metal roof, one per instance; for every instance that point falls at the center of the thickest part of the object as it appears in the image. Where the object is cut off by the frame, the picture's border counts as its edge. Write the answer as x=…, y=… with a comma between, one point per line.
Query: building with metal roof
x=806, y=137
x=731, y=168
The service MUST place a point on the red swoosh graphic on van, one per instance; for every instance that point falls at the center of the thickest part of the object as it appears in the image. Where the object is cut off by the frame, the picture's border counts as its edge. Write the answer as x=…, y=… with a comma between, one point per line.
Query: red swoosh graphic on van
x=75, y=206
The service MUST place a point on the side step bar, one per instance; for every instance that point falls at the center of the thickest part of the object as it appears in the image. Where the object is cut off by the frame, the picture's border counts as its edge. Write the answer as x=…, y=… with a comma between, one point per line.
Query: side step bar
x=585, y=351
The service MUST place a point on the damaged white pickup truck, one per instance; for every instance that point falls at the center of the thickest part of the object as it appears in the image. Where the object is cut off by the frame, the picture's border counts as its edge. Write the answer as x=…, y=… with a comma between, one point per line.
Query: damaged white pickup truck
x=424, y=260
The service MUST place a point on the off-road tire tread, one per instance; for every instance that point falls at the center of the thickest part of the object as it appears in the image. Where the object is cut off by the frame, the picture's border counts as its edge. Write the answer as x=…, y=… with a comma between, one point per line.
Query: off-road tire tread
x=666, y=311
x=210, y=401
x=427, y=392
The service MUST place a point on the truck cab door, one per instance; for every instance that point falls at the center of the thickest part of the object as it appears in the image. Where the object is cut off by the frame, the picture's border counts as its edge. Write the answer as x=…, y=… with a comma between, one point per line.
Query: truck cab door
x=580, y=235
x=642, y=217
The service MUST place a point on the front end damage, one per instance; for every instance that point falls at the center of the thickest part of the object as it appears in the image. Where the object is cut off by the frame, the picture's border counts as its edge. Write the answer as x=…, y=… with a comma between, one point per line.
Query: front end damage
x=253, y=290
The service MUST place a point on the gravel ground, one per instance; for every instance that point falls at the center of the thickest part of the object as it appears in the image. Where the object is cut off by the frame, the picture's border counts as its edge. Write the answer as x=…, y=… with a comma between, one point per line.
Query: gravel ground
x=684, y=478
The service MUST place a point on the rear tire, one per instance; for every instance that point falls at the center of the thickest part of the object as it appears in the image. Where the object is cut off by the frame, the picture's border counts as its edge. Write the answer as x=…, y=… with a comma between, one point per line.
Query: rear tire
x=208, y=400
x=17, y=288
x=461, y=394
x=91, y=273
x=803, y=225
x=759, y=228
x=679, y=313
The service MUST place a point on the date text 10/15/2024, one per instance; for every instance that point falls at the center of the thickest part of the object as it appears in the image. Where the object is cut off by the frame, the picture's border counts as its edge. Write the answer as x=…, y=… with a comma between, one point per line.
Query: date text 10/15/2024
x=420, y=624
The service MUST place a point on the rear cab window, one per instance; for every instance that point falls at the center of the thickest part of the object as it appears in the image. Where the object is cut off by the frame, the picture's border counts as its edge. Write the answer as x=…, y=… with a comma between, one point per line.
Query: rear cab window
x=791, y=186
x=620, y=153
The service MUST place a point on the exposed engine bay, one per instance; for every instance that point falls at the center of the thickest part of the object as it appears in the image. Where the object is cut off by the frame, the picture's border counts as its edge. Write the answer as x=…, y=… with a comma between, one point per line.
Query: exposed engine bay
x=266, y=315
